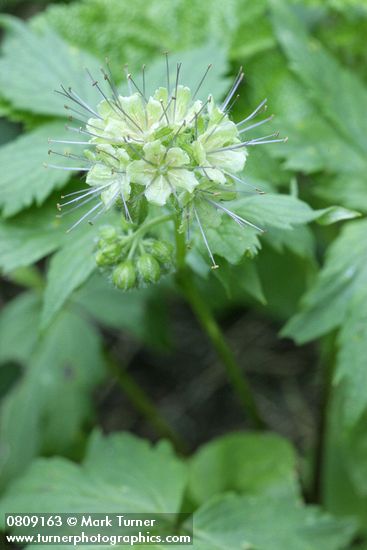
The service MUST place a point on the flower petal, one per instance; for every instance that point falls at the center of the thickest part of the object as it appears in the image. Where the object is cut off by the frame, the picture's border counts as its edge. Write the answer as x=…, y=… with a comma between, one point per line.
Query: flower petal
x=121, y=187
x=154, y=151
x=233, y=161
x=134, y=106
x=100, y=174
x=183, y=178
x=140, y=172
x=177, y=157
x=214, y=175
x=158, y=191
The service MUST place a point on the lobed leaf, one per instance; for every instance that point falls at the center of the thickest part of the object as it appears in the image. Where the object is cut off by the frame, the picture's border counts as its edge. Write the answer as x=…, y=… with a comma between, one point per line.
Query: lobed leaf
x=23, y=177
x=47, y=406
x=33, y=65
x=246, y=463
x=338, y=299
x=28, y=237
x=69, y=268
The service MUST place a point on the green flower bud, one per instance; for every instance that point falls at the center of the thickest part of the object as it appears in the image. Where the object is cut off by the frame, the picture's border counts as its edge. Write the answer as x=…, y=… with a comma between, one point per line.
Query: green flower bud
x=123, y=276
x=109, y=254
x=162, y=251
x=108, y=233
x=148, y=268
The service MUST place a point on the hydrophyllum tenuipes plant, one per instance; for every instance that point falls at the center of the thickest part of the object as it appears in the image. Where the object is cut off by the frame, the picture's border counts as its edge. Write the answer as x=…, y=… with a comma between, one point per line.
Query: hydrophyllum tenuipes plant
x=170, y=153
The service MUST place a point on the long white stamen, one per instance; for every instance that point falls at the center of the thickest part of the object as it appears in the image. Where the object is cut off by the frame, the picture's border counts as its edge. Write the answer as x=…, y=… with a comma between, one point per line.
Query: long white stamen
x=214, y=266
x=164, y=111
x=76, y=207
x=254, y=113
x=127, y=213
x=92, y=220
x=284, y=140
x=259, y=141
x=274, y=134
x=80, y=130
x=87, y=193
x=257, y=124
x=85, y=216
x=230, y=106
x=232, y=91
x=235, y=216
x=201, y=109
x=69, y=156
x=143, y=78
x=67, y=168
x=109, y=79
x=83, y=103
x=126, y=69
x=201, y=81
x=236, y=178
x=129, y=76
x=176, y=87
x=68, y=142
x=167, y=73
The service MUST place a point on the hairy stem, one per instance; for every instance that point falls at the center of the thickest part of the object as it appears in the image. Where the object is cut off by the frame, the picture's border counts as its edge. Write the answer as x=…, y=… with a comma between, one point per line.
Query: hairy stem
x=209, y=324
x=144, y=405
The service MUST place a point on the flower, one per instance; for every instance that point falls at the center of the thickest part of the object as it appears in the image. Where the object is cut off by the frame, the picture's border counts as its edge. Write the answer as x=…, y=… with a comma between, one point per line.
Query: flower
x=162, y=171
x=108, y=174
x=169, y=149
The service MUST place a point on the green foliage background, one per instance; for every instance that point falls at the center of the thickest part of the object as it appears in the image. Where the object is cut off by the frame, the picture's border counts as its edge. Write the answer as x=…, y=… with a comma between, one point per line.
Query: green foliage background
x=307, y=274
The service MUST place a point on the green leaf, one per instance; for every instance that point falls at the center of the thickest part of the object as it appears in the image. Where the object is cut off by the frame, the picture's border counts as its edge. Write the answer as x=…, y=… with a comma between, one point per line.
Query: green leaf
x=285, y=211
x=23, y=178
x=246, y=463
x=96, y=27
x=351, y=364
x=266, y=522
x=333, y=214
x=300, y=241
x=34, y=65
x=348, y=189
x=327, y=130
x=338, y=300
x=140, y=312
x=329, y=84
x=239, y=280
x=29, y=237
x=18, y=320
x=50, y=402
x=69, y=268
x=131, y=476
x=285, y=277
x=231, y=241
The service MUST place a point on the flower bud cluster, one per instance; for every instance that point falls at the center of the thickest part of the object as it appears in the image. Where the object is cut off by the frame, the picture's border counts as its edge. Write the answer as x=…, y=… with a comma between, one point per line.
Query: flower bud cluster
x=133, y=259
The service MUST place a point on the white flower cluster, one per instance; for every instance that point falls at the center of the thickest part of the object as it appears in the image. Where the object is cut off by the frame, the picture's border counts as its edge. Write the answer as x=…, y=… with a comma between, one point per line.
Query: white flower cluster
x=171, y=148
x=168, y=143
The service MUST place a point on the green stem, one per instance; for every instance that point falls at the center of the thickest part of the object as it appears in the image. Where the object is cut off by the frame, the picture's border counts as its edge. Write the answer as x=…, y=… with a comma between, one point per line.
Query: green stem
x=151, y=223
x=135, y=237
x=209, y=324
x=144, y=404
